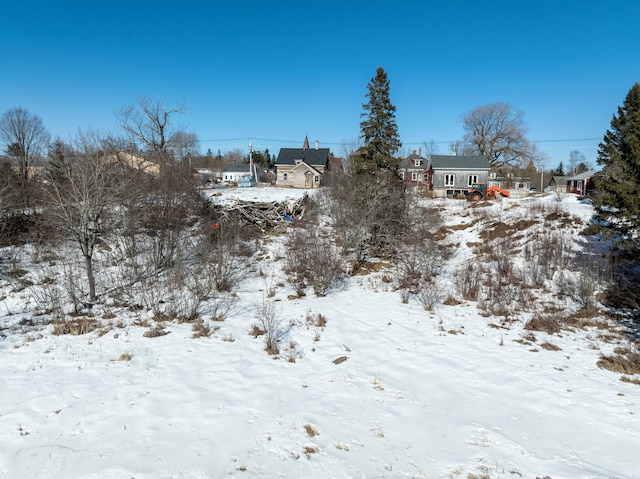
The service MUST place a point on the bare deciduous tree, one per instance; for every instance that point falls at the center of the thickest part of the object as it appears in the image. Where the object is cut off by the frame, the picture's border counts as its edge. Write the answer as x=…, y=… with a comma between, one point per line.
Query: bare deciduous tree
x=170, y=194
x=577, y=163
x=150, y=126
x=348, y=149
x=430, y=148
x=25, y=139
x=369, y=213
x=81, y=194
x=233, y=156
x=498, y=131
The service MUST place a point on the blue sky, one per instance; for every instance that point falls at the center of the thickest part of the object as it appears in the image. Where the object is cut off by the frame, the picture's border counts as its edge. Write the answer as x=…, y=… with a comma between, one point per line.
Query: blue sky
x=276, y=71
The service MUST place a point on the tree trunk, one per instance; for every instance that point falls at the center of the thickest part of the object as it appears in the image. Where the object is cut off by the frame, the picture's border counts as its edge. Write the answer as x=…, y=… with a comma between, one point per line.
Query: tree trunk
x=90, y=278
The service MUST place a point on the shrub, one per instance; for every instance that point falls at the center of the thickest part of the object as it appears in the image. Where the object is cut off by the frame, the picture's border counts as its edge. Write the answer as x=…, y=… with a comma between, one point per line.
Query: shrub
x=468, y=281
x=268, y=325
x=430, y=294
x=311, y=260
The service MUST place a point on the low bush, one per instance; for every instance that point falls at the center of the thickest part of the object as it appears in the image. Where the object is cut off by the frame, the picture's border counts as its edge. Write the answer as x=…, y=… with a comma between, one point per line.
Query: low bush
x=542, y=322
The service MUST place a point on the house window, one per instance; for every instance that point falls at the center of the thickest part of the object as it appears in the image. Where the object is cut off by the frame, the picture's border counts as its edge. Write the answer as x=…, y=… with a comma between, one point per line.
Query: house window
x=417, y=162
x=284, y=176
x=449, y=180
x=414, y=176
x=473, y=179
x=316, y=179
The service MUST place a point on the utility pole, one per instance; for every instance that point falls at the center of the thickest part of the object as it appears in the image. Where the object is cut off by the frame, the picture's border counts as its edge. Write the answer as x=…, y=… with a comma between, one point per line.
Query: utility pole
x=251, y=161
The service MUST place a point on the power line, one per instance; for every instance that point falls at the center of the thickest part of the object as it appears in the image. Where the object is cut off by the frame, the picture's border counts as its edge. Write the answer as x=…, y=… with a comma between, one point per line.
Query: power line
x=277, y=140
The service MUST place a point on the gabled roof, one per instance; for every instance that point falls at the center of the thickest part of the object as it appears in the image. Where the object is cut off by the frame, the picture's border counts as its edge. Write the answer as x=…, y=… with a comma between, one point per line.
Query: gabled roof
x=135, y=162
x=306, y=166
x=585, y=175
x=556, y=179
x=459, y=162
x=237, y=168
x=409, y=162
x=311, y=156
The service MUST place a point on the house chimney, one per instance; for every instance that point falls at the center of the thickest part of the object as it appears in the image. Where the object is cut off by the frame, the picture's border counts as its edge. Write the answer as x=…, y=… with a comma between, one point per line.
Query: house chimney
x=420, y=152
x=317, y=144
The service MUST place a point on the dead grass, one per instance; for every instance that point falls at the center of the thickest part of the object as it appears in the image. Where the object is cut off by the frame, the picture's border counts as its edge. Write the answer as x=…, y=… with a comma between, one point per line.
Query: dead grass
x=160, y=317
x=626, y=379
x=75, y=326
x=125, y=357
x=316, y=319
x=550, y=347
x=444, y=231
x=156, y=331
x=451, y=301
x=625, y=360
x=308, y=450
x=311, y=431
x=549, y=324
x=256, y=331
x=200, y=330
x=367, y=267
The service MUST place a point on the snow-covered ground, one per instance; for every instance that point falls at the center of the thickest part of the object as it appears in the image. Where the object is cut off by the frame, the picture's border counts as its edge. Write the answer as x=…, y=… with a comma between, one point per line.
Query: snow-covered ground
x=417, y=394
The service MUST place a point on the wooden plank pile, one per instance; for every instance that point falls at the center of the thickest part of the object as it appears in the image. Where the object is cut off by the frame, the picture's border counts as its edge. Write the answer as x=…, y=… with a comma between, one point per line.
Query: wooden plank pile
x=265, y=215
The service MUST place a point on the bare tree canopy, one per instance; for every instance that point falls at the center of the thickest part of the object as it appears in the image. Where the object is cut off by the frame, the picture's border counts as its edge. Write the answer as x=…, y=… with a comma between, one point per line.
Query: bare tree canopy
x=24, y=138
x=150, y=126
x=498, y=131
x=430, y=148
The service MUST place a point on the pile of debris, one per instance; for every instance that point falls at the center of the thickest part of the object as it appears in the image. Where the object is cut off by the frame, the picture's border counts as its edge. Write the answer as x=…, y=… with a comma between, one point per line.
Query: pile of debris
x=264, y=215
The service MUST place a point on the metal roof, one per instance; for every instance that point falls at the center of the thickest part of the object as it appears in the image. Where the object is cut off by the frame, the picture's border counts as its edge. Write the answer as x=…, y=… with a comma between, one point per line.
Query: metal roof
x=462, y=162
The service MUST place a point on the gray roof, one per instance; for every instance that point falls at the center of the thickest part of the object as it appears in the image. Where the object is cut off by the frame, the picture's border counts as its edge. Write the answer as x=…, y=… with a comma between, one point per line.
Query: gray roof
x=237, y=168
x=408, y=163
x=462, y=162
x=311, y=156
x=582, y=176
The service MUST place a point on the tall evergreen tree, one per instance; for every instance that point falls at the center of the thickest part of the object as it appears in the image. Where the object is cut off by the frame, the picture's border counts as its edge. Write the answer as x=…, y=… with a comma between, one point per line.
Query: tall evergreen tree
x=59, y=154
x=378, y=128
x=618, y=201
x=559, y=171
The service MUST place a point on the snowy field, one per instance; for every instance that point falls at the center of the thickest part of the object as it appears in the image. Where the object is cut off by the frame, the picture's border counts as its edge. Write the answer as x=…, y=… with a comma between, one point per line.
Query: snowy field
x=414, y=394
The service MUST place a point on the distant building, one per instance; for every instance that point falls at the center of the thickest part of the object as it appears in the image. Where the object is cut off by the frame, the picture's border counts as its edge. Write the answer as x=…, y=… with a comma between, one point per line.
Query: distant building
x=582, y=183
x=302, y=167
x=416, y=170
x=453, y=174
x=557, y=184
x=239, y=173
